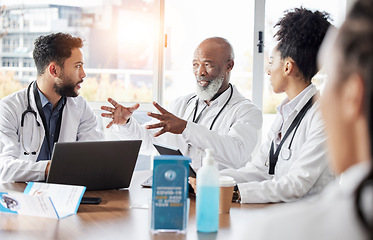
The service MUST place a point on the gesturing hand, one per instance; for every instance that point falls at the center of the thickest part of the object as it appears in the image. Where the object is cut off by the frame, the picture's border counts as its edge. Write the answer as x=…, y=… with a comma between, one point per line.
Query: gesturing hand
x=119, y=114
x=168, y=122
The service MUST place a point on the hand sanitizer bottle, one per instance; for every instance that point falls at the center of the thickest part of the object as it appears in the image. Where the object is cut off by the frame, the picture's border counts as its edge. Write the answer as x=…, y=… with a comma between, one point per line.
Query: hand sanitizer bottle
x=207, y=206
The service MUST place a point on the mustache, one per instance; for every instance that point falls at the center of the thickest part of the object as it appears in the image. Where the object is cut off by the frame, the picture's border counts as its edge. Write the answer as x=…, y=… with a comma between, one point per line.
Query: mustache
x=81, y=81
x=203, y=79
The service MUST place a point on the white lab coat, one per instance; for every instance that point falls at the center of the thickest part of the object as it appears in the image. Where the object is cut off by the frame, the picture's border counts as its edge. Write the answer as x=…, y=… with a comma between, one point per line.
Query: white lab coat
x=78, y=124
x=233, y=136
x=332, y=215
x=305, y=173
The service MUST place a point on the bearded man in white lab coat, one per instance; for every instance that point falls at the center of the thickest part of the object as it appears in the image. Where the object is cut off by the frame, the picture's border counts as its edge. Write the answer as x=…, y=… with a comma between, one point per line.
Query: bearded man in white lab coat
x=48, y=111
x=216, y=117
x=292, y=163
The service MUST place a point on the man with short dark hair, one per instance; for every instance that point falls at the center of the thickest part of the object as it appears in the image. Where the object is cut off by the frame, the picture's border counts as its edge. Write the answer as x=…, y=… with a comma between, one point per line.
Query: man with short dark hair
x=48, y=111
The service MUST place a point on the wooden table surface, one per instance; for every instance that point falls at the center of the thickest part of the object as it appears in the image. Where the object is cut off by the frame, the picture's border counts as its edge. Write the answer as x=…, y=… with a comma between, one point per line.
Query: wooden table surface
x=122, y=214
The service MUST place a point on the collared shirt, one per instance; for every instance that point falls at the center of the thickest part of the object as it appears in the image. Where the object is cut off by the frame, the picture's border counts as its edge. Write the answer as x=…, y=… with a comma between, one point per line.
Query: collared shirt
x=51, y=117
x=286, y=108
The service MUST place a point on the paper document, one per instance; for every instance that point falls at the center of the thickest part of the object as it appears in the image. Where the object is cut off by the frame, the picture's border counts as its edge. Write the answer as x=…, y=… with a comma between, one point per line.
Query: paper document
x=43, y=200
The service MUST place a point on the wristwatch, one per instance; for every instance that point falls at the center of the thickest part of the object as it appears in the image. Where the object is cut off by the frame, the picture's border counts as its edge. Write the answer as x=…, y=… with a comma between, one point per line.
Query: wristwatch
x=236, y=194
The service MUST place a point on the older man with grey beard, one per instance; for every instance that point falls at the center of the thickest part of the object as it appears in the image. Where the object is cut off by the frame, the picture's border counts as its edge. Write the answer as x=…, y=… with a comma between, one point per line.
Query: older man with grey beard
x=217, y=116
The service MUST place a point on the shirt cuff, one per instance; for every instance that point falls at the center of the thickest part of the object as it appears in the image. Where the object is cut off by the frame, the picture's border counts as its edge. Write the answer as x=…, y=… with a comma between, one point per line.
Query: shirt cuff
x=188, y=131
x=42, y=167
x=125, y=127
x=243, y=196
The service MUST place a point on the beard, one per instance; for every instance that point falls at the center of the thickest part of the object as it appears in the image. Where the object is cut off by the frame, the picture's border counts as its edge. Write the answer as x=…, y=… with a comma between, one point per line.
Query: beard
x=65, y=87
x=206, y=93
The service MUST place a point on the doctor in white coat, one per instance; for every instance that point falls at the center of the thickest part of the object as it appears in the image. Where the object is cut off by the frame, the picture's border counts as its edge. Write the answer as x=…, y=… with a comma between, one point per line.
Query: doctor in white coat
x=25, y=151
x=217, y=116
x=344, y=210
x=292, y=161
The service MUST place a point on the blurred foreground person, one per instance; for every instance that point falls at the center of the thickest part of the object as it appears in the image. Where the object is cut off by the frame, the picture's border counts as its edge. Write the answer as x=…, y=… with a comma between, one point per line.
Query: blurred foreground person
x=345, y=209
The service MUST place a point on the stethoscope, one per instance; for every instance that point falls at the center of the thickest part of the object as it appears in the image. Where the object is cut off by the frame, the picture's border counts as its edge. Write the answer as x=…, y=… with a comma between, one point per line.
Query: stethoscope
x=286, y=152
x=30, y=110
x=196, y=118
x=42, y=116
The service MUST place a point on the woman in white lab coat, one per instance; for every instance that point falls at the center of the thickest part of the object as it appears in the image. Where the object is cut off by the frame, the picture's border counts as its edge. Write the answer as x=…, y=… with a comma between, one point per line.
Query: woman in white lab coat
x=291, y=163
x=345, y=209
x=20, y=147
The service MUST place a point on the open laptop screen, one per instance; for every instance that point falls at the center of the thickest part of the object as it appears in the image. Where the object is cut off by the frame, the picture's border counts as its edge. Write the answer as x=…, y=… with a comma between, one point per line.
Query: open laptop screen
x=98, y=165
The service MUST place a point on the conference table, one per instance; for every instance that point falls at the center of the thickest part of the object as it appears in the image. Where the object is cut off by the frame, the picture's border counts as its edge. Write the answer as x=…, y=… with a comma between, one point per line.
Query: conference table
x=122, y=214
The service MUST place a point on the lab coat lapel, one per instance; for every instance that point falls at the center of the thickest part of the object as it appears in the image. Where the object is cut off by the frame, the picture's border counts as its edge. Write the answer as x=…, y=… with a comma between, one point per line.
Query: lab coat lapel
x=38, y=118
x=70, y=121
x=70, y=118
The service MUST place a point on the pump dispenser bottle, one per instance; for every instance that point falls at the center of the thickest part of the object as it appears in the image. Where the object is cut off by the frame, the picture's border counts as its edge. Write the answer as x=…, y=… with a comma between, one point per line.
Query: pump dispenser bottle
x=207, y=198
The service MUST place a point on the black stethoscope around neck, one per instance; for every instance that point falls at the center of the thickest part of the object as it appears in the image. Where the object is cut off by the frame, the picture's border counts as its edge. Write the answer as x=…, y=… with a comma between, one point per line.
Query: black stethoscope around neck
x=42, y=116
x=29, y=111
x=196, y=118
x=286, y=152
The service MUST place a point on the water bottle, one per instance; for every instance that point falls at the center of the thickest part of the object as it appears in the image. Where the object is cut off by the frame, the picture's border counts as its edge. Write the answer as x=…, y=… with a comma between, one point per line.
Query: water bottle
x=207, y=206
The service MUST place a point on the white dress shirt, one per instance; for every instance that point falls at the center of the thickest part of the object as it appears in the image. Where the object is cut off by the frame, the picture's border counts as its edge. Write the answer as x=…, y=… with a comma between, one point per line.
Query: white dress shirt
x=233, y=136
x=286, y=108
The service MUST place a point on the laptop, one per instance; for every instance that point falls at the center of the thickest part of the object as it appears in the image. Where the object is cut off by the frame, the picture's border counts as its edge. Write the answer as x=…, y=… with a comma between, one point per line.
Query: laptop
x=98, y=165
x=166, y=150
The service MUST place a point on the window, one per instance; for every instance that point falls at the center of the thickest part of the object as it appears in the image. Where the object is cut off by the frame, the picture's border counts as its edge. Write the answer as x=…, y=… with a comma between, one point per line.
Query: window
x=118, y=42
x=28, y=42
x=10, y=62
x=120, y=53
x=10, y=44
x=187, y=23
x=123, y=42
x=28, y=63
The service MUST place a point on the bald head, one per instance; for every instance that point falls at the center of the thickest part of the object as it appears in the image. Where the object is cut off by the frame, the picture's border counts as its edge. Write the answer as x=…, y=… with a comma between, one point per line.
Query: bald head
x=218, y=44
x=212, y=63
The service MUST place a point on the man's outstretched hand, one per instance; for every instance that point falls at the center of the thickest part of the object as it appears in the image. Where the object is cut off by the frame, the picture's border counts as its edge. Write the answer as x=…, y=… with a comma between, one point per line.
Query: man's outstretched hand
x=118, y=113
x=168, y=122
